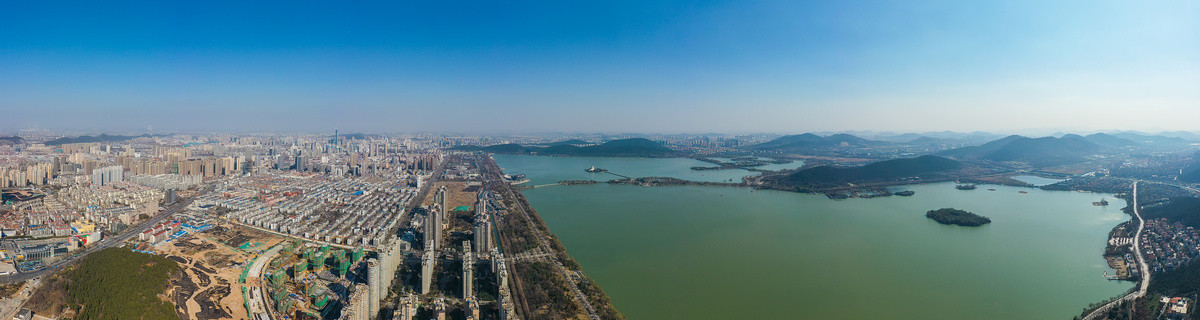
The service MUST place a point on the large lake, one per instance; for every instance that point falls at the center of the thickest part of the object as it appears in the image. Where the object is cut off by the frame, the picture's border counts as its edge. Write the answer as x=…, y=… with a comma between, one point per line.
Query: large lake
x=732, y=253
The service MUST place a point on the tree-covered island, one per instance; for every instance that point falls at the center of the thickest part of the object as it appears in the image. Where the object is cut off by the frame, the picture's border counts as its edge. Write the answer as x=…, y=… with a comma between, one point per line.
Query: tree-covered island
x=957, y=217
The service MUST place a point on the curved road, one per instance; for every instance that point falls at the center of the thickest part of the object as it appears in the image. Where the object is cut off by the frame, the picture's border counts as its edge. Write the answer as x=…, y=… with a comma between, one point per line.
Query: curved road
x=1144, y=270
x=256, y=271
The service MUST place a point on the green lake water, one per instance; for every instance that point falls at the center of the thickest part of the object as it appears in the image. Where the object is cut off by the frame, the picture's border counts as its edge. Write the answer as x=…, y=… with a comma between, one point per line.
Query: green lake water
x=732, y=253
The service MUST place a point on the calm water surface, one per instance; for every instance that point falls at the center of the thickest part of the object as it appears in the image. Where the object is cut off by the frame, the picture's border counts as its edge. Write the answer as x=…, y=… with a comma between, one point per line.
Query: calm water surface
x=733, y=253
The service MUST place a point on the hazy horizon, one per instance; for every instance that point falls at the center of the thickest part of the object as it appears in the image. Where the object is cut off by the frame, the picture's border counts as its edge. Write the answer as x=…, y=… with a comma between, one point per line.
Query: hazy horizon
x=769, y=67
x=1032, y=133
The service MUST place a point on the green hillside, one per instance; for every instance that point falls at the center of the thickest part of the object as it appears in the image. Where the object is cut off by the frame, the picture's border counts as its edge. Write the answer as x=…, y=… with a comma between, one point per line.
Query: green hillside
x=889, y=170
x=99, y=138
x=634, y=147
x=1045, y=151
x=1186, y=210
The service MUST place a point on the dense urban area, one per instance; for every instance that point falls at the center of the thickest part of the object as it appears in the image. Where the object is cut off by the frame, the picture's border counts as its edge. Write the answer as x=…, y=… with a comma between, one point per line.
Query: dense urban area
x=428, y=226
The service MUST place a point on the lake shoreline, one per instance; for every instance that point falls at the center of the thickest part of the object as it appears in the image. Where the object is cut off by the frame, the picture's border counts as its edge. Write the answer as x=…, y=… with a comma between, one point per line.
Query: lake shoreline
x=632, y=241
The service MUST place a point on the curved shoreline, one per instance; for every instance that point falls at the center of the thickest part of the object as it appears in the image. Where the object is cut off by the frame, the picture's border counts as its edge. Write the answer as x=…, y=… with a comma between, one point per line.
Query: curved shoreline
x=1144, y=270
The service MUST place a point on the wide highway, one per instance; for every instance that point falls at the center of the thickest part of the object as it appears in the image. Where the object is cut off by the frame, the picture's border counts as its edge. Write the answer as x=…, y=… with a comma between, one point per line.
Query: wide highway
x=106, y=243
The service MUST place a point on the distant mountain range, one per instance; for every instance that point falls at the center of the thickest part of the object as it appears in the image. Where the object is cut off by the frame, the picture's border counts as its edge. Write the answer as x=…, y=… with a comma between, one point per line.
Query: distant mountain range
x=573, y=142
x=1152, y=140
x=1057, y=149
x=634, y=147
x=882, y=171
x=1108, y=140
x=901, y=138
x=100, y=138
x=809, y=141
x=1180, y=134
x=1045, y=151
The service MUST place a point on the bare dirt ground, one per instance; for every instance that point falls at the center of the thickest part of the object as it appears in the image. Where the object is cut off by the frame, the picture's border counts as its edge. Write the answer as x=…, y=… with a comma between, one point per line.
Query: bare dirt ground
x=234, y=236
x=459, y=194
x=207, y=288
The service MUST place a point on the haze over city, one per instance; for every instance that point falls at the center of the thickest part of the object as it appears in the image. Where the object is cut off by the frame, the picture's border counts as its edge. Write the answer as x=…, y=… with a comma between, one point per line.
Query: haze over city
x=625, y=66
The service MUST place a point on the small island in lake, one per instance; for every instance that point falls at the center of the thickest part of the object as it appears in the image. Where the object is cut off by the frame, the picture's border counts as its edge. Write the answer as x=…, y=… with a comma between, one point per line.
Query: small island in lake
x=957, y=217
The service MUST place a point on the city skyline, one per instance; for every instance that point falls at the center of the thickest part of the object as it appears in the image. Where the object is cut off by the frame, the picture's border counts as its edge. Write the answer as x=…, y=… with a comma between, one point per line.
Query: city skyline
x=614, y=67
x=613, y=160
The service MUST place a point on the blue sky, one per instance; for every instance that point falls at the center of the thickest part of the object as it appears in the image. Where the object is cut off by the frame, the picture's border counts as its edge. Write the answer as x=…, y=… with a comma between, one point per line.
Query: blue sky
x=647, y=66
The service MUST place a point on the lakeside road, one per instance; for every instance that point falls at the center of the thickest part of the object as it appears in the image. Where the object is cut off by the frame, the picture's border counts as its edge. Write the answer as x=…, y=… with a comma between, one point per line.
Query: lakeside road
x=492, y=173
x=1144, y=270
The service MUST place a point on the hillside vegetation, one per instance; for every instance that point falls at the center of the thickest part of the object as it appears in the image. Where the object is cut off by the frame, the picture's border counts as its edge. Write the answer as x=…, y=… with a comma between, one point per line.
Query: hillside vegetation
x=882, y=171
x=117, y=283
x=1186, y=210
x=99, y=138
x=6, y=141
x=1191, y=173
x=635, y=147
x=1185, y=279
x=1046, y=151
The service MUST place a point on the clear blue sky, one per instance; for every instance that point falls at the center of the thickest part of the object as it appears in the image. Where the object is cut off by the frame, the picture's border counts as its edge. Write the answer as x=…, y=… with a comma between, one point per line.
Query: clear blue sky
x=648, y=66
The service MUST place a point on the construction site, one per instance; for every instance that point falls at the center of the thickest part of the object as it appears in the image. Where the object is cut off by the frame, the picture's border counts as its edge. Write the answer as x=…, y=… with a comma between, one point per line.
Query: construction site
x=211, y=265
x=307, y=281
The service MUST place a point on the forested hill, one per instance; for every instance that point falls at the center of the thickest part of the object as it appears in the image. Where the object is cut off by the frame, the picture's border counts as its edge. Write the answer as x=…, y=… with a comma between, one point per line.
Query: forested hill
x=635, y=147
x=882, y=171
x=114, y=283
x=1046, y=151
x=1191, y=173
x=1186, y=210
x=10, y=140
